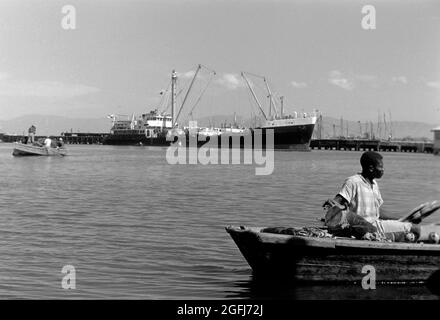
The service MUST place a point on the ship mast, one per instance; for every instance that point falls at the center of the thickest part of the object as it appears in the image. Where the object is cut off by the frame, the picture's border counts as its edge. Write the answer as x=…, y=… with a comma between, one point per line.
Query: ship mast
x=391, y=125
x=253, y=94
x=173, y=95
x=282, y=106
x=271, y=102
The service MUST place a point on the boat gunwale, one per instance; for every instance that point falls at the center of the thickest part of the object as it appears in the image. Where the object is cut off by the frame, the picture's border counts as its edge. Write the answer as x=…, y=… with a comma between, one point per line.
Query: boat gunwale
x=336, y=242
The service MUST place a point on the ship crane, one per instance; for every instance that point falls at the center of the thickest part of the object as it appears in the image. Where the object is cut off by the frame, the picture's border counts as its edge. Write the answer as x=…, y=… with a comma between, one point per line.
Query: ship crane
x=199, y=67
x=213, y=73
x=271, y=100
x=164, y=104
x=272, y=103
x=254, y=95
x=187, y=92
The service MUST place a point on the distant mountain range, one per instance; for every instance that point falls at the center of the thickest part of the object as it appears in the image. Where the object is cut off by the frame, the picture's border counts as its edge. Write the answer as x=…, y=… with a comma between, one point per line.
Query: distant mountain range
x=54, y=125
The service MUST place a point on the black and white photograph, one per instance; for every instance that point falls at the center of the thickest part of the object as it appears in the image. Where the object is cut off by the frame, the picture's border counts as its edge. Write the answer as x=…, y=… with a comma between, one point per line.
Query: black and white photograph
x=221, y=155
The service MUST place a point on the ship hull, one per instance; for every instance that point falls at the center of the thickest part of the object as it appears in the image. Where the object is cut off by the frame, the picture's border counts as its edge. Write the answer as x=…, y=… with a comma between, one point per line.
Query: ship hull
x=293, y=137
x=135, y=139
x=285, y=137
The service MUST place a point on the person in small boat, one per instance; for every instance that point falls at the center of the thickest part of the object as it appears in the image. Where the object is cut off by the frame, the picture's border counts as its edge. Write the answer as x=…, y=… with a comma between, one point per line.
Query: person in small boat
x=60, y=143
x=31, y=134
x=39, y=142
x=48, y=142
x=356, y=209
x=53, y=143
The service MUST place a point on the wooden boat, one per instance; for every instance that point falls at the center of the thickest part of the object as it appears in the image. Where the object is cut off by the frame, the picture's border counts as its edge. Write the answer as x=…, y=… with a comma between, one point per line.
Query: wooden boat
x=334, y=259
x=21, y=149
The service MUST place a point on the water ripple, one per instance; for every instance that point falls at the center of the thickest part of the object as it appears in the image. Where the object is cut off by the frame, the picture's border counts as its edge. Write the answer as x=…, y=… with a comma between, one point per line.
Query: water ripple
x=135, y=227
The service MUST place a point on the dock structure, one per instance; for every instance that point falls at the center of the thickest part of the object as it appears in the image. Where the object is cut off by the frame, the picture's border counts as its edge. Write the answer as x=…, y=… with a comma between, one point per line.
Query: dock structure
x=68, y=137
x=83, y=138
x=436, y=147
x=373, y=145
x=317, y=144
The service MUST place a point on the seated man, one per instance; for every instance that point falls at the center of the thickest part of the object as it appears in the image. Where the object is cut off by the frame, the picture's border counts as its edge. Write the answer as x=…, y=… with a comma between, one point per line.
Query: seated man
x=356, y=208
x=60, y=143
x=48, y=142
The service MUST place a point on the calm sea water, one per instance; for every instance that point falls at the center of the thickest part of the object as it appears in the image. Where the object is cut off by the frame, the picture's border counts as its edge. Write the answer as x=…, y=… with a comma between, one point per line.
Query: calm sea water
x=135, y=227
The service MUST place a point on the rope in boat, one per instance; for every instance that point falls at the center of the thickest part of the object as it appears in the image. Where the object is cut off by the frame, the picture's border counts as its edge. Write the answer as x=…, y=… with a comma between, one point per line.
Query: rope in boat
x=303, y=232
x=316, y=232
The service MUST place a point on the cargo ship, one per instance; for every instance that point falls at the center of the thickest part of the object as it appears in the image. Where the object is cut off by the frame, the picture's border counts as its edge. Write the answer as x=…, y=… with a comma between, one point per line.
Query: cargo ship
x=292, y=132
x=148, y=129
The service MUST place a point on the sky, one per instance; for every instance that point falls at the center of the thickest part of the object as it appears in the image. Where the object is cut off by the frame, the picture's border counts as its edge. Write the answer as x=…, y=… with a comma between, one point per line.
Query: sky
x=314, y=53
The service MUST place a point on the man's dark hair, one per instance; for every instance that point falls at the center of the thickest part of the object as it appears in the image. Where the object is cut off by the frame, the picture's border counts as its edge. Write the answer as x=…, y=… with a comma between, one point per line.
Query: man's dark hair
x=370, y=158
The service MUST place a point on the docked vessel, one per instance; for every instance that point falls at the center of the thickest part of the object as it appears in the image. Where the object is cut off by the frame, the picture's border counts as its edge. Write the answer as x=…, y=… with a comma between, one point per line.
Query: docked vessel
x=148, y=129
x=156, y=128
x=292, y=132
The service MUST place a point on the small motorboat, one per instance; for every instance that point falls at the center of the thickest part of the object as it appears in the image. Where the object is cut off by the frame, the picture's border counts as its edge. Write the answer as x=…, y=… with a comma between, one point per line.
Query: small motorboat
x=21, y=149
x=313, y=255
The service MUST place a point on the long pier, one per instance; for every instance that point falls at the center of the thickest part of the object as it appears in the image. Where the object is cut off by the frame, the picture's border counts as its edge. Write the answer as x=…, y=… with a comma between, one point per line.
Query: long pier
x=373, y=145
x=68, y=137
x=318, y=144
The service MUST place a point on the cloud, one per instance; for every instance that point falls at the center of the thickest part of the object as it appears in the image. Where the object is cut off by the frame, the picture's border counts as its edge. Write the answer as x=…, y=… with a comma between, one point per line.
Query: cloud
x=42, y=89
x=298, y=85
x=433, y=84
x=336, y=78
x=350, y=81
x=231, y=81
x=400, y=79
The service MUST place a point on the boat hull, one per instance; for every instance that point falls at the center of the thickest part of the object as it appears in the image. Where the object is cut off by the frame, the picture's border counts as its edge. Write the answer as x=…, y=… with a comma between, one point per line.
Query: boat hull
x=135, y=139
x=24, y=150
x=340, y=260
x=285, y=137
